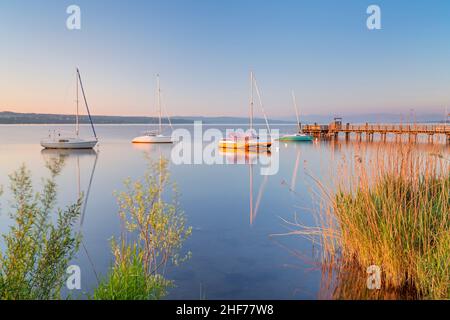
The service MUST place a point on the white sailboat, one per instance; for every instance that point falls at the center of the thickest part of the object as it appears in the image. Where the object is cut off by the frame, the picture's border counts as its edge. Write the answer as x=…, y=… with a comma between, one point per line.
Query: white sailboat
x=155, y=136
x=61, y=141
x=249, y=141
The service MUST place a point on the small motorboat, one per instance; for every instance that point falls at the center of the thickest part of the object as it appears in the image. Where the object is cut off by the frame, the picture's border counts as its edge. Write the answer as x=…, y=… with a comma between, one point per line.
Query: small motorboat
x=297, y=137
x=155, y=136
x=61, y=141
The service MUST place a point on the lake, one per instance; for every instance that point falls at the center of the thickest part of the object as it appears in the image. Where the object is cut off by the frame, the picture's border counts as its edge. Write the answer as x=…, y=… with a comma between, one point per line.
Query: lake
x=235, y=212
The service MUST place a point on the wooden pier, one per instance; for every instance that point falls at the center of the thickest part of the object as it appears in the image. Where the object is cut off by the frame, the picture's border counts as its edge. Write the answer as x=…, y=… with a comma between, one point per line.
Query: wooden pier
x=335, y=128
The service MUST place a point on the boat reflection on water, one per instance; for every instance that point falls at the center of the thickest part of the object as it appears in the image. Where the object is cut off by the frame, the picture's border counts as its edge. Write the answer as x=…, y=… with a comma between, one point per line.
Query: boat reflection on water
x=49, y=154
x=242, y=156
x=255, y=207
x=55, y=160
x=250, y=158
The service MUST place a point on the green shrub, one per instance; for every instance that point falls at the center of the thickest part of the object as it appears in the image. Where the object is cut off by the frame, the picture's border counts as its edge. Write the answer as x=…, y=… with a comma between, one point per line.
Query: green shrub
x=127, y=280
x=37, y=251
x=153, y=234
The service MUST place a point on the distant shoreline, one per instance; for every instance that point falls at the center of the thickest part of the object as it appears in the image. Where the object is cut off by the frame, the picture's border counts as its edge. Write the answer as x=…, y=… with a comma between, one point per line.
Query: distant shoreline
x=7, y=117
x=14, y=118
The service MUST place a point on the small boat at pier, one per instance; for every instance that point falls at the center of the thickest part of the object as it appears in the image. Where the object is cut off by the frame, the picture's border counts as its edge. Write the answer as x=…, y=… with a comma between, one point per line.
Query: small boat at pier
x=299, y=136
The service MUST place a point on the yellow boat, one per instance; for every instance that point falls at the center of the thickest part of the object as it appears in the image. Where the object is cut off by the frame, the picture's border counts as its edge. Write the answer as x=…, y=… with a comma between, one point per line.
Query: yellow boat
x=249, y=141
x=244, y=144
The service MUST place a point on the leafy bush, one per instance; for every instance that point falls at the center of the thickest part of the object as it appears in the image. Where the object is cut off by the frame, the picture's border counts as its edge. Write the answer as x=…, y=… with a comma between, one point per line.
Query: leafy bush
x=37, y=251
x=153, y=234
x=128, y=280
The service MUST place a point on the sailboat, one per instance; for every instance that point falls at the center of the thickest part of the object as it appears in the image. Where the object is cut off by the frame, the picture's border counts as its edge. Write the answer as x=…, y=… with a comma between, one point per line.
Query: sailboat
x=155, y=136
x=59, y=141
x=299, y=136
x=249, y=140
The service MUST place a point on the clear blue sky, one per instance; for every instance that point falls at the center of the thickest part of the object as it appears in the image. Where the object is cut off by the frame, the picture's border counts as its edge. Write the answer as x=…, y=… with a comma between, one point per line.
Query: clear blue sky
x=204, y=49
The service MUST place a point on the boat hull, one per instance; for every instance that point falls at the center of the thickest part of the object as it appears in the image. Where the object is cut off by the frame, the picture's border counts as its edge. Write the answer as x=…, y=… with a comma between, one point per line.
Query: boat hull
x=244, y=145
x=153, y=139
x=66, y=144
x=295, y=137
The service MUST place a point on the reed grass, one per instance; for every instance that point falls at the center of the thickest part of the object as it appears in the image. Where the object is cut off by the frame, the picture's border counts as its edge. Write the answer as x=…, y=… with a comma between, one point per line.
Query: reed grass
x=390, y=207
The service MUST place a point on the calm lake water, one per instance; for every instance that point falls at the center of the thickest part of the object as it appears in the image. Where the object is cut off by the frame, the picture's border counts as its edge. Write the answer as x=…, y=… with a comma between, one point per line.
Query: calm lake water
x=234, y=255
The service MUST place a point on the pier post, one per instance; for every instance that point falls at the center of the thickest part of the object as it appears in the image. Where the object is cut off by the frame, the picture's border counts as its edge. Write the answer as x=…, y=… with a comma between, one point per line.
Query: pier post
x=347, y=131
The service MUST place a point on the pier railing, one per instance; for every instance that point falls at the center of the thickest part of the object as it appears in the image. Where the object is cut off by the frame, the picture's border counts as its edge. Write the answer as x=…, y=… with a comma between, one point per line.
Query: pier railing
x=333, y=129
x=383, y=128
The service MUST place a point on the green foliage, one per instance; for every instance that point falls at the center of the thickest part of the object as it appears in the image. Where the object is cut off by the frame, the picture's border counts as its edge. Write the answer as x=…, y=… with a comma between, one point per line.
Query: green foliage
x=128, y=280
x=153, y=235
x=37, y=251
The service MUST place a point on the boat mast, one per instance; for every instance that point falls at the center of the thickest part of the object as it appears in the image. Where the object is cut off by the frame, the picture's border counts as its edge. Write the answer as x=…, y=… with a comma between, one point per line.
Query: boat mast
x=159, y=103
x=87, y=107
x=258, y=93
x=77, y=125
x=251, y=100
x=296, y=111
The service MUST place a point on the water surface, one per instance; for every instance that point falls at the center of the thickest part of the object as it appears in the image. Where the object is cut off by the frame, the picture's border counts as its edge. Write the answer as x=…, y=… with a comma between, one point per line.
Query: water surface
x=232, y=208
